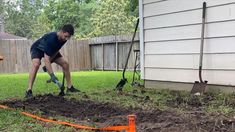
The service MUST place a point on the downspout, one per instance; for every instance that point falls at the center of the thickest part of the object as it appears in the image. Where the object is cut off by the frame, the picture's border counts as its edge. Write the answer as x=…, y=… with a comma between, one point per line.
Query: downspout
x=141, y=35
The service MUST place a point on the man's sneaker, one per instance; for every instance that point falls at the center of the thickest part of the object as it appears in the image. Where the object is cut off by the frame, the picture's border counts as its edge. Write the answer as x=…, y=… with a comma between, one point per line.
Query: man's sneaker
x=28, y=94
x=72, y=89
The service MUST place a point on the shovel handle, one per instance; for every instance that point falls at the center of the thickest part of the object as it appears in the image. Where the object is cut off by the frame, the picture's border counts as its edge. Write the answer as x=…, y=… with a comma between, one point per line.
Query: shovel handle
x=204, y=10
x=202, y=41
x=58, y=84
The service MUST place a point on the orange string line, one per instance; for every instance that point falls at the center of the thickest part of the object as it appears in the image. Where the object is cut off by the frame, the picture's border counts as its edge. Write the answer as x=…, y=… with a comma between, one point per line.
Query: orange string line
x=110, y=128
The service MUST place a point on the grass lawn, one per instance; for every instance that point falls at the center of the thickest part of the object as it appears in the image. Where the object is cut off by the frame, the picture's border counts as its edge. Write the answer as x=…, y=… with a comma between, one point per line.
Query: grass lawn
x=92, y=83
x=14, y=85
x=98, y=86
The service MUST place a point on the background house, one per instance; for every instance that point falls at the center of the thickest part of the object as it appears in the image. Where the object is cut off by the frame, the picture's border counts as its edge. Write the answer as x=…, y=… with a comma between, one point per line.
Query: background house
x=7, y=36
x=170, y=33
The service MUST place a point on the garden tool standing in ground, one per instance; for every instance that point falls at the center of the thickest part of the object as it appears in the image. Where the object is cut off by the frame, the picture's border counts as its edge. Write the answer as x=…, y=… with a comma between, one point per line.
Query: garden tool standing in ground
x=123, y=81
x=199, y=87
x=136, y=74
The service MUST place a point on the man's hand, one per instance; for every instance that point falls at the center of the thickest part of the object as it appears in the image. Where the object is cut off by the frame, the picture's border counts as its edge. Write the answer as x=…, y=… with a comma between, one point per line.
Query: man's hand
x=54, y=78
x=1, y=57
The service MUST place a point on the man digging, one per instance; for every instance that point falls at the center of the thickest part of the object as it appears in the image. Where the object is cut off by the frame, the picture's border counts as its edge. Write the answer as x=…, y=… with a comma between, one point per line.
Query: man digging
x=48, y=46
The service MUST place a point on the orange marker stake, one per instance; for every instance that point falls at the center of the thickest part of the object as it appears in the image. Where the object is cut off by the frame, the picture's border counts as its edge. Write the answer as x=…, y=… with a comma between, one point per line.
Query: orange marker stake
x=131, y=119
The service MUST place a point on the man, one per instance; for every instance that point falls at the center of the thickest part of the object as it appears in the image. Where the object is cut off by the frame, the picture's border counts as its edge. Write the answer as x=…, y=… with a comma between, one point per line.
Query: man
x=1, y=57
x=48, y=47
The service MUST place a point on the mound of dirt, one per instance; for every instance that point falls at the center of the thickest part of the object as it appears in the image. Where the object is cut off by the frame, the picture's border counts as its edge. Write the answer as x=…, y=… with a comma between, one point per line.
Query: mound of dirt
x=106, y=114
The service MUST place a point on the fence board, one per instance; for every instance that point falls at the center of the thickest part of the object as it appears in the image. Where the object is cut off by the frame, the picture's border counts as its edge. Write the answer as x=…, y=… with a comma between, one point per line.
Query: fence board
x=109, y=56
x=96, y=56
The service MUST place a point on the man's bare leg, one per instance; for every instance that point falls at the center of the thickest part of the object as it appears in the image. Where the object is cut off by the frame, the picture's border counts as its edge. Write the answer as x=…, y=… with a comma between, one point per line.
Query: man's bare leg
x=65, y=66
x=32, y=74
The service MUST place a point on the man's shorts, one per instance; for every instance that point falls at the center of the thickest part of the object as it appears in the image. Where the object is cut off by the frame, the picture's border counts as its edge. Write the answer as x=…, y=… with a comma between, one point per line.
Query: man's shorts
x=36, y=53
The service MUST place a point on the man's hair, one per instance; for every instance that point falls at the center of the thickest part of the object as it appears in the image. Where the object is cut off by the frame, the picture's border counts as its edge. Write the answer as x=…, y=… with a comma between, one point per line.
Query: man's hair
x=68, y=28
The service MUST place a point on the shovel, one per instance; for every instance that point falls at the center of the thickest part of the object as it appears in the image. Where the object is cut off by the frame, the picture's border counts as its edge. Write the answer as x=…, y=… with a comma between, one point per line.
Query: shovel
x=61, y=86
x=200, y=86
x=123, y=81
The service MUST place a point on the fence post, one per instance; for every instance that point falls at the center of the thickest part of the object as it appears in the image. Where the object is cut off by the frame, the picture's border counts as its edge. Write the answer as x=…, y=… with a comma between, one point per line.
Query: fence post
x=90, y=52
x=102, y=57
x=117, y=56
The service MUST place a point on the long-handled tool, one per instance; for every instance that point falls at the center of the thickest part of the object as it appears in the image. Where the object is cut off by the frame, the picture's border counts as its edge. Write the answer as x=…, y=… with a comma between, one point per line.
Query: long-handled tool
x=199, y=87
x=136, y=73
x=61, y=86
x=123, y=81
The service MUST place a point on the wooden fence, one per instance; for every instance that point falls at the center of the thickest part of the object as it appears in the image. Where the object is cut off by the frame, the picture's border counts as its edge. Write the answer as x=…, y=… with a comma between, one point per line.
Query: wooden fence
x=103, y=53
x=110, y=52
x=17, y=57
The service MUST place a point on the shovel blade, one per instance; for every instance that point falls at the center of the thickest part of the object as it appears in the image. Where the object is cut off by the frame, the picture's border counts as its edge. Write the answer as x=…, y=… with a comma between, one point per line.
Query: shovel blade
x=62, y=93
x=121, y=84
x=199, y=87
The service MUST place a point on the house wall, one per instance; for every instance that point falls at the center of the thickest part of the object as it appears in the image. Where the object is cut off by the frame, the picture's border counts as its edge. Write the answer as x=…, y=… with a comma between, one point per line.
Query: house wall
x=170, y=41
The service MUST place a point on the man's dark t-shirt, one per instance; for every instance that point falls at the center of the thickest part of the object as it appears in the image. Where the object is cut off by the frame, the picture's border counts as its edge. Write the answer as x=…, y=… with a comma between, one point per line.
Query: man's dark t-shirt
x=49, y=44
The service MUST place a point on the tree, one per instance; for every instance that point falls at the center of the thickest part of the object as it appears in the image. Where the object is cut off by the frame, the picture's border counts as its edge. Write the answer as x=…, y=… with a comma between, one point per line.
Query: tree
x=111, y=18
x=21, y=17
x=2, y=15
x=62, y=12
x=1, y=7
x=75, y=12
x=132, y=8
x=41, y=26
x=90, y=18
x=85, y=27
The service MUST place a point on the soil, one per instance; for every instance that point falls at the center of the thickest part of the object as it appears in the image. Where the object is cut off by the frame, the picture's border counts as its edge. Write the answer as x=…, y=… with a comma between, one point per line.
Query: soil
x=106, y=114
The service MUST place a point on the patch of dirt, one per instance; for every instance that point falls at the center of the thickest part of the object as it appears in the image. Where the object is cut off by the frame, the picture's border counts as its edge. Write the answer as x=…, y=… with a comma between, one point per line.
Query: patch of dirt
x=106, y=114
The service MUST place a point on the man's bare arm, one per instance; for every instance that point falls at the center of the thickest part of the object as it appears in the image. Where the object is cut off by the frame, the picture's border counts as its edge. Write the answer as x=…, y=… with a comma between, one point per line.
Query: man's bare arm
x=47, y=60
x=49, y=69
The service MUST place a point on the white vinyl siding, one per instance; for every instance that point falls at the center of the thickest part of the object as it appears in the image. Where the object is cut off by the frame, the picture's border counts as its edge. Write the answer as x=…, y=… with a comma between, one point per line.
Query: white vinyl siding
x=190, y=61
x=215, y=45
x=217, y=77
x=174, y=6
x=222, y=29
x=171, y=40
x=227, y=12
